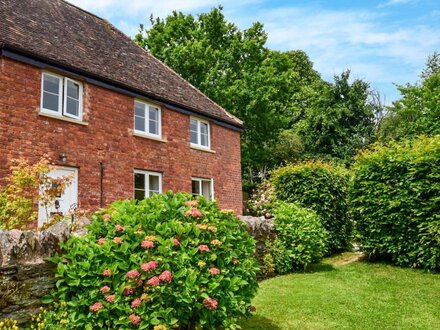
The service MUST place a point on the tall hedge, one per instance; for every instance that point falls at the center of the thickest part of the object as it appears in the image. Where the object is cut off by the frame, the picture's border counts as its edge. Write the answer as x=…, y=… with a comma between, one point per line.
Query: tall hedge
x=321, y=187
x=395, y=199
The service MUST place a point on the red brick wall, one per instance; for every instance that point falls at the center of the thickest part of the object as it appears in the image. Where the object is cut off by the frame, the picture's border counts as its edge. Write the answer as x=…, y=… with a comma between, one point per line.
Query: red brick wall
x=108, y=138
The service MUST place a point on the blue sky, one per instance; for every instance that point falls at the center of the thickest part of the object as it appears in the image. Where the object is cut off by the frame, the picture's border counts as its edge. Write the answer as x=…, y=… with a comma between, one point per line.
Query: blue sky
x=383, y=42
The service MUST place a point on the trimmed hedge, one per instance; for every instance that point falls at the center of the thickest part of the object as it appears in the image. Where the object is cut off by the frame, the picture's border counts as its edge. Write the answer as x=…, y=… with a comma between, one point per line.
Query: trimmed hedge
x=301, y=238
x=321, y=187
x=395, y=200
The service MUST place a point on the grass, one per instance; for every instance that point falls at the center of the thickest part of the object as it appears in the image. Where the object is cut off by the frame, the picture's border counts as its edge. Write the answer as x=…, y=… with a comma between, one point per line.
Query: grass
x=358, y=295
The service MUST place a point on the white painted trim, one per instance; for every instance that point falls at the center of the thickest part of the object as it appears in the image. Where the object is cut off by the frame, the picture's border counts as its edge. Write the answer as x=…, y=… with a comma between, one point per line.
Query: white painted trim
x=147, y=119
x=60, y=94
x=62, y=99
x=147, y=181
x=200, y=180
x=80, y=100
x=198, y=145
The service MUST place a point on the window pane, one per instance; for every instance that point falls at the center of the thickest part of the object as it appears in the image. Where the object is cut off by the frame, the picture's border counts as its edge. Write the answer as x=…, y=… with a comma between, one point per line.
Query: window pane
x=195, y=187
x=139, y=109
x=193, y=125
x=153, y=127
x=139, y=194
x=51, y=84
x=154, y=114
x=139, y=181
x=50, y=101
x=203, y=128
x=194, y=137
x=72, y=107
x=154, y=183
x=72, y=90
x=204, y=140
x=139, y=123
x=206, y=189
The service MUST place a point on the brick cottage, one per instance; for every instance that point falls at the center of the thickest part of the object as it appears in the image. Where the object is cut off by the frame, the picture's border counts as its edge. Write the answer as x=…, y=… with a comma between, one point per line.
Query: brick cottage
x=75, y=88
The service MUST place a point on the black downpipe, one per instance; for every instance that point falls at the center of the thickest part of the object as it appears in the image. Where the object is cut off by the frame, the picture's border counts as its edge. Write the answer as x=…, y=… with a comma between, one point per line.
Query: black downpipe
x=101, y=201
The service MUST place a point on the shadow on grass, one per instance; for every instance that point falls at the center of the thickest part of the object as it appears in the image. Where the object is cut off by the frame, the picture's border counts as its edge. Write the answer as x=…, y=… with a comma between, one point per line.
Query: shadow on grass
x=258, y=322
x=319, y=268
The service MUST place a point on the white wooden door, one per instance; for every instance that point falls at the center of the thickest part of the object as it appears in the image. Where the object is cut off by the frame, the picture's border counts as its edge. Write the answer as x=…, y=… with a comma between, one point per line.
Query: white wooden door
x=66, y=201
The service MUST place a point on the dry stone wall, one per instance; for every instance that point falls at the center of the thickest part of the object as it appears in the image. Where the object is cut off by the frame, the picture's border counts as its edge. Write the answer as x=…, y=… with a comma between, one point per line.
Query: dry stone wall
x=25, y=277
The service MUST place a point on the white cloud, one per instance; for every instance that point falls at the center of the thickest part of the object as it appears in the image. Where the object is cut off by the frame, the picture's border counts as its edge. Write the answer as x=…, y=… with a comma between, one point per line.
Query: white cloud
x=354, y=39
x=393, y=3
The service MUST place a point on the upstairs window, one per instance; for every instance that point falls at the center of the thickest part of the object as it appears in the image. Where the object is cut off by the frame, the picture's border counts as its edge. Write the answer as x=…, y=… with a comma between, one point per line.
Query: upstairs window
x=203, y=187
x=146, y=184
x=147, y=119
x=199, y=131
x=61, y=96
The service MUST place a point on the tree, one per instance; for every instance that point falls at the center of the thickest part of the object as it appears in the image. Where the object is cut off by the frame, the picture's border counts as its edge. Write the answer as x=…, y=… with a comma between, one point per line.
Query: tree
x=418, y=110
x=335, y=119
x=235, y=69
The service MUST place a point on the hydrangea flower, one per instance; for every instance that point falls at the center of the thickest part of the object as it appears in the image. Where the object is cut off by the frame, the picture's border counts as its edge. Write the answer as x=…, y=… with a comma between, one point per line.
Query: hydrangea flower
x=96, y=307
x=192, y=203
x=147, y=244
x=176, y=242
x=106, y=217
x=134, y=319
x=151, y=238
x=136, y=303
x=110, y=298
x=104, y=289
x=212, y=228
x=166, y=276
x=149, y=265
x=203, y=248
x=117, y=240
x=127, y=291
x=216, y=242
x=101, y=241
x=210, y=303
x=214, y=271
x=194, y=212
x=119, y=228
x=132, y=274
x=154, y=281
x=106, y=272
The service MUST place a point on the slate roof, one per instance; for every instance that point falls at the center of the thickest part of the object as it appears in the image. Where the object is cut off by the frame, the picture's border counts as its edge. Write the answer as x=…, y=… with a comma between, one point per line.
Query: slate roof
x=68, y=36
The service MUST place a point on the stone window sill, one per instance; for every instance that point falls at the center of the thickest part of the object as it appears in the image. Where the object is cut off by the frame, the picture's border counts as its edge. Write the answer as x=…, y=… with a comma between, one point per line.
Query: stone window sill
x=70, y=120
x=145, y=136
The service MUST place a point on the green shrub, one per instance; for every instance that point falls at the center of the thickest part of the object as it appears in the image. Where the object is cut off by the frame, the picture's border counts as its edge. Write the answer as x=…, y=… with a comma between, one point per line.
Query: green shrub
x=163, y=262
x=323, y=188
x=395, y=200
x=301, y=238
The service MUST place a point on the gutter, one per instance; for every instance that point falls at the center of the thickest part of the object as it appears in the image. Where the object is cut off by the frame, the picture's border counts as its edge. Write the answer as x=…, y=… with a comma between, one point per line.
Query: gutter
x=35, y=60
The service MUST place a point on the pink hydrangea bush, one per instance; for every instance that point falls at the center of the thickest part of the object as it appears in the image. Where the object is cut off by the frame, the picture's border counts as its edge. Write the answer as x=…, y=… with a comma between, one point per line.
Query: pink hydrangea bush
x=261, y=201
x=168, y=261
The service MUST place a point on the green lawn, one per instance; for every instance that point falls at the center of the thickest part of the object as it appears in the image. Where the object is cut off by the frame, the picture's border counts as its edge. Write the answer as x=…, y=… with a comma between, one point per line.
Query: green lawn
x=359, y=295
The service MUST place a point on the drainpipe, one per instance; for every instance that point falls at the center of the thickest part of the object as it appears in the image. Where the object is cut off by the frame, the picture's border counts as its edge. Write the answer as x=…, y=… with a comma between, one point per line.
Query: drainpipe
x=101, y=200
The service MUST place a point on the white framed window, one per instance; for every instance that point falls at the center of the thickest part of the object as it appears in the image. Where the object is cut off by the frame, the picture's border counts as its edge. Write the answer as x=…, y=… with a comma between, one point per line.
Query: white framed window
x=200, y=133
x=61, y=96
x=203, y=187
x=146, y=183
x=147, y=119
